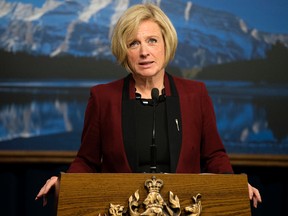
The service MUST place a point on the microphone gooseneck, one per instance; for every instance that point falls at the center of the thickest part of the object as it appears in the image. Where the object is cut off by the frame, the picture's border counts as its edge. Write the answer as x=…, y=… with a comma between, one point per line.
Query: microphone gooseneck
x=155, y=98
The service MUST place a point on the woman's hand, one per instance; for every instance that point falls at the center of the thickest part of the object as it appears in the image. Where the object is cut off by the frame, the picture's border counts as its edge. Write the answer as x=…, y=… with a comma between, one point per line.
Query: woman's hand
x=46, y=188
x=254, y=195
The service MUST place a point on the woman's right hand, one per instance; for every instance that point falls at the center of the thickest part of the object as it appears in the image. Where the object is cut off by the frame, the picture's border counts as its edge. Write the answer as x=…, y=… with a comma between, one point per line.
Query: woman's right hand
x=46, y=188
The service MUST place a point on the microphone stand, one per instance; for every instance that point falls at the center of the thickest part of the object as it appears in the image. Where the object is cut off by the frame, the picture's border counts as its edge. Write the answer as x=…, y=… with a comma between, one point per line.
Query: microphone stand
x=153, y=147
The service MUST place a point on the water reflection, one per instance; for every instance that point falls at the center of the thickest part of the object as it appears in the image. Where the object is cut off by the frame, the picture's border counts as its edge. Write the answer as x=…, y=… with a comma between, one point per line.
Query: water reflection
x=246, y=120
x=252, y=119
x=240, y=120
x=37, y=118
x=34, y=111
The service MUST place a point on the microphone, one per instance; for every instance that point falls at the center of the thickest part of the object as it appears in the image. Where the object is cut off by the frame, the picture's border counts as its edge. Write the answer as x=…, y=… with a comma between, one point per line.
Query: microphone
x=155, y=95
x=153, y=147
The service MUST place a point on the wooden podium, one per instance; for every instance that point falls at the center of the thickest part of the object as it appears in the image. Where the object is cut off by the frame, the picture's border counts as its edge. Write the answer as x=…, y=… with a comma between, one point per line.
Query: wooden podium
x=116, y=194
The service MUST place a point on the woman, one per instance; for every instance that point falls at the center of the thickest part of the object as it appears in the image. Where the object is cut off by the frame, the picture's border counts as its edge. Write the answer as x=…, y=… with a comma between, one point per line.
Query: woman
x=117, y=133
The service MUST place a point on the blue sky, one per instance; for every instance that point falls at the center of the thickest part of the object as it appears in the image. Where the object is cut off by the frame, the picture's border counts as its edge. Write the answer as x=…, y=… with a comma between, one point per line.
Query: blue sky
x=265, y=15
x=38, y=3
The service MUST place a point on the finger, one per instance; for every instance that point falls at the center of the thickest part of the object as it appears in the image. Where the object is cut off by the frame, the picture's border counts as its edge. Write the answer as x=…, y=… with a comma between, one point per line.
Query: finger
x=255, y=202
x=45, y=189
x=258, y=196
x=41, y=193
x=51, y=183
x=44, y=200
x=250, y=191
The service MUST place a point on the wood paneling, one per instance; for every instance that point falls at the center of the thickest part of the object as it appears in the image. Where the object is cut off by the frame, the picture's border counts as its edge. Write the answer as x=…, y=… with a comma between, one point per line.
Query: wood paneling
x=68, y=156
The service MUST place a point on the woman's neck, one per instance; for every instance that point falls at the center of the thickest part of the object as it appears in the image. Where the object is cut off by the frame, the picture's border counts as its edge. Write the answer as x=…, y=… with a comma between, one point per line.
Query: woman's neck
x=145, y=86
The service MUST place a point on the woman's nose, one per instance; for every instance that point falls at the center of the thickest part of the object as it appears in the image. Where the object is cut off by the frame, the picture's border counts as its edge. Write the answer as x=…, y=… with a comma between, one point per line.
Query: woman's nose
x=144, y=51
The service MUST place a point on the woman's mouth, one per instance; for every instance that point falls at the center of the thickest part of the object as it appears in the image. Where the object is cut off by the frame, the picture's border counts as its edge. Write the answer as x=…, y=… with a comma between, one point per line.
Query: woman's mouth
x=146, y=63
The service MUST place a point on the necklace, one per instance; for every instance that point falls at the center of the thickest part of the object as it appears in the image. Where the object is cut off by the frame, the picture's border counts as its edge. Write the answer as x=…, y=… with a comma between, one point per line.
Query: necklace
x=144, y=101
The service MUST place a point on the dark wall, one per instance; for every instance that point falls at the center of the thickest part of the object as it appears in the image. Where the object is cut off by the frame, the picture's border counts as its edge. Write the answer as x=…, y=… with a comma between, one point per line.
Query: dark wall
x=21, y=182
x=272, y=183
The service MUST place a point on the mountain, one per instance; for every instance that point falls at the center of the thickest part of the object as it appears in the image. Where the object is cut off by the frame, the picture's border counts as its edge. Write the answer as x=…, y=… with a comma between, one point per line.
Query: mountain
x=83, y=28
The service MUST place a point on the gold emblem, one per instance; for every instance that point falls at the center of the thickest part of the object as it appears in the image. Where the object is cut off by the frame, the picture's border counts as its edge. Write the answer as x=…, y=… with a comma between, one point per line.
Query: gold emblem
x=154, y=204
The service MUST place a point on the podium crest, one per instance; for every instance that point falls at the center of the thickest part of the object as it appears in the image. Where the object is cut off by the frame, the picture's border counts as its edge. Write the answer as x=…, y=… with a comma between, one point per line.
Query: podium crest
x=154, y=204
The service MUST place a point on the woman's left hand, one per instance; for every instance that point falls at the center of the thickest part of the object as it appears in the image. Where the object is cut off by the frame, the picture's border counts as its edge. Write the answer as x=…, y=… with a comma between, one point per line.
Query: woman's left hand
x=254, y=195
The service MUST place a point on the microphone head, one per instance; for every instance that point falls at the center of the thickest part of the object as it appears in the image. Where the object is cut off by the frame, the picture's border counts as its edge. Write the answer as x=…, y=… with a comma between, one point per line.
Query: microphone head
x=155, y=94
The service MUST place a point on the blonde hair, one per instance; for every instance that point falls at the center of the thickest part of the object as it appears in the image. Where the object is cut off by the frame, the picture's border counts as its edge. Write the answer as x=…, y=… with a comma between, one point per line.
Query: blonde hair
x=128, y=24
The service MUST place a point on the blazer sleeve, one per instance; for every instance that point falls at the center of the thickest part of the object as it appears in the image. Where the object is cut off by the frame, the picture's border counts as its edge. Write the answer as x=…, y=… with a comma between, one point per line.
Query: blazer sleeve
x=88, y=158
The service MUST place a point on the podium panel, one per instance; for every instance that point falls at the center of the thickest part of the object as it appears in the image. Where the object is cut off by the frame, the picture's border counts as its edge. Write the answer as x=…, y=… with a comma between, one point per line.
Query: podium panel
x=152, y=194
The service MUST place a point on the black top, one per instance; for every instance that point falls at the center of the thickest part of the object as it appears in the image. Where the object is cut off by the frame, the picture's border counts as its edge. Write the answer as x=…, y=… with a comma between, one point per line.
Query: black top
x=174, y=133
x=144, y=127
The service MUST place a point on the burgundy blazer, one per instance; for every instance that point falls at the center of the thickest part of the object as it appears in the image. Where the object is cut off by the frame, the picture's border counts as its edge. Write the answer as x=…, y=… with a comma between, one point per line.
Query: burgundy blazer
x=107, y=143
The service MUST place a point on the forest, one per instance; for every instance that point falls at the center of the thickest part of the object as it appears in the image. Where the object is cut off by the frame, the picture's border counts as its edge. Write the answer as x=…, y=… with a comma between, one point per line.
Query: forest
x=25, y=66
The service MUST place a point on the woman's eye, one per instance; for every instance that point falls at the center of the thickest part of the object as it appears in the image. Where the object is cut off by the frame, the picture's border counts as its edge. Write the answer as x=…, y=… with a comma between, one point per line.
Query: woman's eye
x=152, y=40
x=133, y=44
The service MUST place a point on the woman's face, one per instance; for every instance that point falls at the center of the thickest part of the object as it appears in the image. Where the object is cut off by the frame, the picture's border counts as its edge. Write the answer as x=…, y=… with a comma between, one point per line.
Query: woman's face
x=146, y=50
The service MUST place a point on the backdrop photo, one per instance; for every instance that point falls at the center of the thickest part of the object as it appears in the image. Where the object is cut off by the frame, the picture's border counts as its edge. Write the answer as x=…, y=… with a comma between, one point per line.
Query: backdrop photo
x=52, y=52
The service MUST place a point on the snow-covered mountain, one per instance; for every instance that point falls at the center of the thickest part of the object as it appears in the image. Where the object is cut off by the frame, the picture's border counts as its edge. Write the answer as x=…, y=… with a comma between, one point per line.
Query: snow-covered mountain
x=83, y=28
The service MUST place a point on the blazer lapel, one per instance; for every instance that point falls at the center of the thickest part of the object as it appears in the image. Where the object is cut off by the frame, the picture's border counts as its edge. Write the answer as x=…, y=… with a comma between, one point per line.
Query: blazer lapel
x=174, y=123
x=128, y=125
